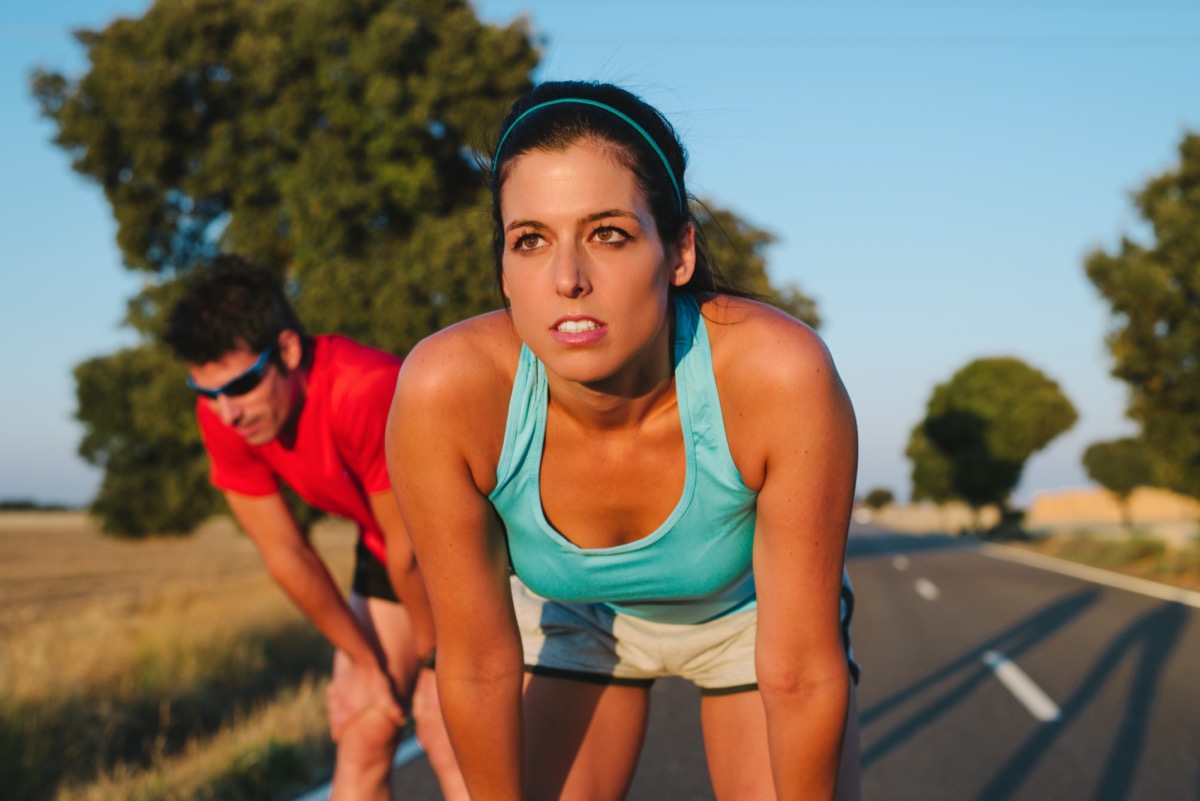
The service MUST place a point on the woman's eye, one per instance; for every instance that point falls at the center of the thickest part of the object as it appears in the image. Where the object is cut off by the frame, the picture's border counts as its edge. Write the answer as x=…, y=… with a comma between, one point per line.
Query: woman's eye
x=609, y=235
x=526, y=242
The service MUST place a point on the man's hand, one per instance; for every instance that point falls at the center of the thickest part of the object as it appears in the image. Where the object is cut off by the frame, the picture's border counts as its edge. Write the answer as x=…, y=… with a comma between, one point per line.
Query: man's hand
x=425, y=696
x=356, y=690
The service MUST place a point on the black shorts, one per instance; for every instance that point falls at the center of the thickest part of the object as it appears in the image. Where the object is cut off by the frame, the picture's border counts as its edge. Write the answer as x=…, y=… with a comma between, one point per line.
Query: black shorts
x=371, y=576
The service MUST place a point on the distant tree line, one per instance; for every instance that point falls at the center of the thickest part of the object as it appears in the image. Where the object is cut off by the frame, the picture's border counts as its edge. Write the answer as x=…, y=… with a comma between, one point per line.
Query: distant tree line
x=30, y=505
x=333, y=143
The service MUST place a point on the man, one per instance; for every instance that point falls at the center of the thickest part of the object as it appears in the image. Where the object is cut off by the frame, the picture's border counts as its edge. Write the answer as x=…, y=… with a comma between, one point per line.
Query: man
x=277, y=405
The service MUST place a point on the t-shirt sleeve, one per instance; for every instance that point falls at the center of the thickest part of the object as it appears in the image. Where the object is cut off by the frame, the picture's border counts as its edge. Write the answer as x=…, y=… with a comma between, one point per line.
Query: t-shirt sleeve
x=361, y=419
x=232, y=464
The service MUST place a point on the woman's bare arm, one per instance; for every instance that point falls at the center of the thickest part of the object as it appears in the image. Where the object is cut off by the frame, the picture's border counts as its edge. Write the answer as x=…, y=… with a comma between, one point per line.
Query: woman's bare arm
x=793, y=433
x=442, y=417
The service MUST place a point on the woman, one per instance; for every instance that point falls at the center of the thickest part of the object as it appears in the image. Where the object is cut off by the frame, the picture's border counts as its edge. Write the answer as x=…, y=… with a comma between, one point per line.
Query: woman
x=673, y=466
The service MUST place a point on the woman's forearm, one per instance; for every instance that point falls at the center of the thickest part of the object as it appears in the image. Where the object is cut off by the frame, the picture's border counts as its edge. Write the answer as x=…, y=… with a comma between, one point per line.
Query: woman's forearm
x=805, y=727
x=481, y=703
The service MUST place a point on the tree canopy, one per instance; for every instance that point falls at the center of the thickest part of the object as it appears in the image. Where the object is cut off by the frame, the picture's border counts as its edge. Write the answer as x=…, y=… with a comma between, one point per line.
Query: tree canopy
x=878, y=498
x=980, y=428
x=1120, y=466
x=1153, y=289
x=333, y=143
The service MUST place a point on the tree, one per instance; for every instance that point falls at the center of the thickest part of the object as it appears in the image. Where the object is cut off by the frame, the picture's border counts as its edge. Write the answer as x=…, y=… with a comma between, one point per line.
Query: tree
x=329, y=142
x=333, y=143
x=932, y=470
x=981, y=427
x=138, y=429
x=1154, y=332
x=878, y=498
x=1120, y=466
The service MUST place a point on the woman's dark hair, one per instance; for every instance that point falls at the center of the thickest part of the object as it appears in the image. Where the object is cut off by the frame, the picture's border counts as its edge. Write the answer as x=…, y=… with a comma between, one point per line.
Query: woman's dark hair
x=653, y=154
x=227, y=305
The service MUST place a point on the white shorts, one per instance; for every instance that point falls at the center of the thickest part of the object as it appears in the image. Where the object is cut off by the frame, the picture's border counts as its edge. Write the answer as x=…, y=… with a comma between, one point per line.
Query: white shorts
x=592, y=643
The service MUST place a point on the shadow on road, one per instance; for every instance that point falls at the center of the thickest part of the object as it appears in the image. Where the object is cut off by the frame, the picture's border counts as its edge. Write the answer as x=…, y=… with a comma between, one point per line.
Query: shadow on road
x=1150, y=640
x=1013, y=642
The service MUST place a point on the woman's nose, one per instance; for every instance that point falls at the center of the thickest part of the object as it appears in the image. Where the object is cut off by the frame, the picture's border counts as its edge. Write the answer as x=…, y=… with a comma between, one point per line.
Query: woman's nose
x=570, y=278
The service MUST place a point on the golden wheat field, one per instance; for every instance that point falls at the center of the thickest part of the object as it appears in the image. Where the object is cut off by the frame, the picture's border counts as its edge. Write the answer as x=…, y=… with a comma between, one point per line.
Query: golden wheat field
x=167, y=668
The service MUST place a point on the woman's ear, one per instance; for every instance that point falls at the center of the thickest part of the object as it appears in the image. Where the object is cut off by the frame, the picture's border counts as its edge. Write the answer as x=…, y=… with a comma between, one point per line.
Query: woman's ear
x=683, y=264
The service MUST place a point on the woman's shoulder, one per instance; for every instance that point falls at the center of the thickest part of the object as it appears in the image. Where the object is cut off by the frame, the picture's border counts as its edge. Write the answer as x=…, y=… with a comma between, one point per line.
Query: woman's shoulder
x=776, y=380
x=756, y=342
x=465, y=364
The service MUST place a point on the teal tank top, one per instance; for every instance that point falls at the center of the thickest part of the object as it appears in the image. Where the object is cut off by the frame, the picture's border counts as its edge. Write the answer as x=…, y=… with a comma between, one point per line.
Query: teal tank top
x=694, y=567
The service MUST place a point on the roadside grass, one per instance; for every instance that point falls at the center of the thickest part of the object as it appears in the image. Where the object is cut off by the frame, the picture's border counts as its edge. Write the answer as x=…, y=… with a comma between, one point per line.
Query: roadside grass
x=182, y=674
x=276, y=751
x=1137, y=554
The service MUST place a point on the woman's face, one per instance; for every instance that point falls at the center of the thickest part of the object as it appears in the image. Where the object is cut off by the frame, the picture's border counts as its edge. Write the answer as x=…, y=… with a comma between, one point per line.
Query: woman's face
x=584, y=269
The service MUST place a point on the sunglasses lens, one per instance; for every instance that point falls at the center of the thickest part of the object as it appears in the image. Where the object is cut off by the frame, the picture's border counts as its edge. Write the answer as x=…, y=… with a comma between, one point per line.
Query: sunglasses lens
x=240, y=385
x=243, y=384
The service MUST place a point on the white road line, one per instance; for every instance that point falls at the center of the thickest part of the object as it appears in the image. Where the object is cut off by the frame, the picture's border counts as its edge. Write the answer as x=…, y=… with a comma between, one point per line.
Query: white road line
x=409, y=750
x=1021, y=686
x=927, y=589
x=900, y=562
x=1107, y=577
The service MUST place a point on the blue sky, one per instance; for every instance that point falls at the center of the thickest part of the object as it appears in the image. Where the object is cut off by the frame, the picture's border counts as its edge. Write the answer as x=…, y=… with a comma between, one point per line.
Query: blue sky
x=935, y=173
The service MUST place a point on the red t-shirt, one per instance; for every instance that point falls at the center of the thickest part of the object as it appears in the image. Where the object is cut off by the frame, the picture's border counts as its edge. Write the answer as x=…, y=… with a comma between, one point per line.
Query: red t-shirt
x=337, y=459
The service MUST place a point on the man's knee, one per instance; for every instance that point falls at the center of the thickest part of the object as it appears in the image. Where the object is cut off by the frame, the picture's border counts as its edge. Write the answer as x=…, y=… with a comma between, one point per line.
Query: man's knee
x=369, y=740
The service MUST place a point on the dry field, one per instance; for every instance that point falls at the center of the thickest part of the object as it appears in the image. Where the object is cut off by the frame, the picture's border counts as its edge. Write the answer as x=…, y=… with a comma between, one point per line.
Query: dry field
x=157, y=669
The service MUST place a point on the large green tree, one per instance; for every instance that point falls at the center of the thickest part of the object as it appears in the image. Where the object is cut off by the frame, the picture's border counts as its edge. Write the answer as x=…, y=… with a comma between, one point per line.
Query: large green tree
x=1153, y=288
x=330, y=142
x=981, y=427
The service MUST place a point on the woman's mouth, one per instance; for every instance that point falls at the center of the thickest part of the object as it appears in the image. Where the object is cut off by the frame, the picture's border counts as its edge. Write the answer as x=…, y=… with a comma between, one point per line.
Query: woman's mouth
x=576, y=326
x=578, y=331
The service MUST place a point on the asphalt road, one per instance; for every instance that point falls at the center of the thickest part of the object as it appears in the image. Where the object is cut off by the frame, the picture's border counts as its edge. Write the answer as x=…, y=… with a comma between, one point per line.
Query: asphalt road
x=984, y=680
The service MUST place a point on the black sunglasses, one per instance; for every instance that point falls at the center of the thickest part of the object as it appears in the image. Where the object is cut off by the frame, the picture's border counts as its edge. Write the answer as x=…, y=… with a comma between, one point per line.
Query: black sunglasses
x=242, y=383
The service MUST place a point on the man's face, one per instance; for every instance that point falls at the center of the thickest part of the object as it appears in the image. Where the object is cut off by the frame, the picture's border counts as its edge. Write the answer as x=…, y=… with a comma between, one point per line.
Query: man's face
x=261, y=413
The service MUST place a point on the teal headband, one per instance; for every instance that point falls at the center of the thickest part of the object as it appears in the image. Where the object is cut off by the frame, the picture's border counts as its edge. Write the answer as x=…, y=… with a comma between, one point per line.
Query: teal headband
x=649, y=139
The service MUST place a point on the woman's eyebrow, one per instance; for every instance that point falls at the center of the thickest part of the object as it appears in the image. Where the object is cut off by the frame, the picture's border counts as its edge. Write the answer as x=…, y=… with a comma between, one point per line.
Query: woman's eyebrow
x=524, y=224
x=607, y=213
x=598, y=215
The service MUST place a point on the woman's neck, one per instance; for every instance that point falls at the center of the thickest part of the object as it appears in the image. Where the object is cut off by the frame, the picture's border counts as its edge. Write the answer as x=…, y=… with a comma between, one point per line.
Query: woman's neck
x=627, y=399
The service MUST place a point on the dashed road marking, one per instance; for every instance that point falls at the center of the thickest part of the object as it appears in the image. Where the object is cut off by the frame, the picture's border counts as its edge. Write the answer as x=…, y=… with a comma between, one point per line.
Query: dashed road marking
x=927, y=589
x=1020, y=685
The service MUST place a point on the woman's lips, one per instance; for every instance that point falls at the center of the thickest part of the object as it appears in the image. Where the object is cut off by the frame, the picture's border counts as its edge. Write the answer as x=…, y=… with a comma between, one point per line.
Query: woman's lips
x=578, y=330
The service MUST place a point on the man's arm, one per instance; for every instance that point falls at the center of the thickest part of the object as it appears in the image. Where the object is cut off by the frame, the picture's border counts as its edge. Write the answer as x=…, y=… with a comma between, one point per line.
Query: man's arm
x=299, y=570
x=403, y=571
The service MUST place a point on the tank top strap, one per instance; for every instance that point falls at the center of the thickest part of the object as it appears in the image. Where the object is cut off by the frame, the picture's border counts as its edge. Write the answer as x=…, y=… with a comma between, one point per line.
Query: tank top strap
x=696, y=388
x=524, y=430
